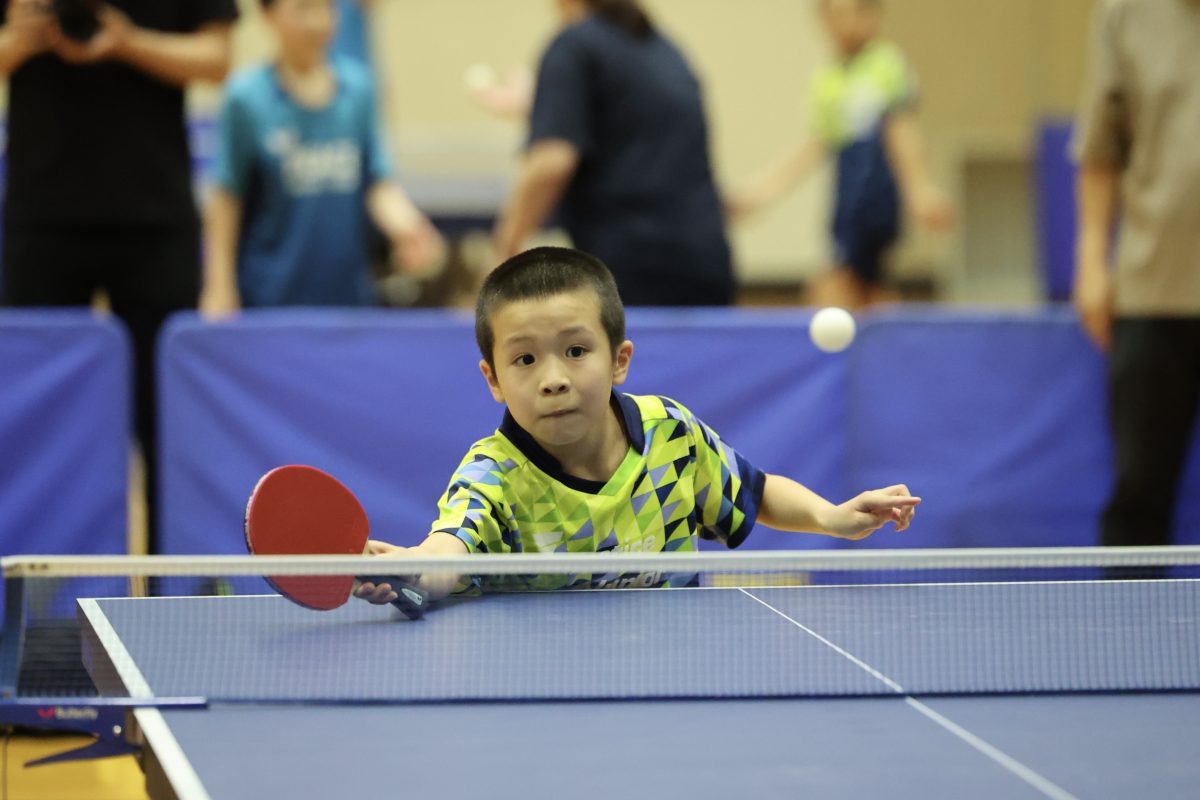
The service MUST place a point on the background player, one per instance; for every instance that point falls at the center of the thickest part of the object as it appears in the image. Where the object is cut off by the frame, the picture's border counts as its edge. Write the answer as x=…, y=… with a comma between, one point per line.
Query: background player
x=98, y=190
x=301, y=170
x=1136, y=144
x=619, y=147
x=862, y=108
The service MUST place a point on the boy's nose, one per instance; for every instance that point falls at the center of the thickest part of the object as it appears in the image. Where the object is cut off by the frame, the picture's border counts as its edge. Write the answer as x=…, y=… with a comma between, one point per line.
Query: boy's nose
x=554, y=383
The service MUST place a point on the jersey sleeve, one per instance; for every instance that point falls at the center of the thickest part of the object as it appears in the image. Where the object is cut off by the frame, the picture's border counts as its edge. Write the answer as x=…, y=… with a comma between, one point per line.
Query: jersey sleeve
x=896, y=78
x=1101, y=128
x=562, y=107
x=728, y=487
x=473, y=506
x=233, y=163
x=822, y=109
x=377, y=164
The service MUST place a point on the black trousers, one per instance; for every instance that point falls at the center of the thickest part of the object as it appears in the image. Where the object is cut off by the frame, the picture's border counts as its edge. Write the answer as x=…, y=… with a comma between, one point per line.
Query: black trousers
x=148, y=273
x=1154, y=390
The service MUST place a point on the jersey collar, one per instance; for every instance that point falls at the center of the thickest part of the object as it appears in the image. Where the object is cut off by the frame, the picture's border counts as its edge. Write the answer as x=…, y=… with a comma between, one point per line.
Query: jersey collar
x=631, y=415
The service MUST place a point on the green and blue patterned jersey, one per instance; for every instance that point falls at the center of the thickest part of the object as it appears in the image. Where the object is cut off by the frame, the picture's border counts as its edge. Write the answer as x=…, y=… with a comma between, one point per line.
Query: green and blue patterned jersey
x=851, y=102
x=850, y=99
x=677, y=482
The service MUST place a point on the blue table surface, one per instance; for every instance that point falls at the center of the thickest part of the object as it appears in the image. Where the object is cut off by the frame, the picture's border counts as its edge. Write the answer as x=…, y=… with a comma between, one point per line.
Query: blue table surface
x=762, y=642
x=634, y=677
x=1087, y=746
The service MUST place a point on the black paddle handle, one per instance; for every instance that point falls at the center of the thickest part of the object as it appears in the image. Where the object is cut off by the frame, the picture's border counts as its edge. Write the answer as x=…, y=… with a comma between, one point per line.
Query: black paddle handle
x=411, y=599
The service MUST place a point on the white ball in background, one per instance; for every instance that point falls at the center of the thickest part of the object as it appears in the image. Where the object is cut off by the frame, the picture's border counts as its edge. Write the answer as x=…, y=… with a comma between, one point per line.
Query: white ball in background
x=479, y=76
x=832, y=329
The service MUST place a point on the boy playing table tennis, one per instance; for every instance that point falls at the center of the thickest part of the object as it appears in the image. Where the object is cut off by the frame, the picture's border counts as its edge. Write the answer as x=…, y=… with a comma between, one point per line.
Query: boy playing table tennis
x=578, y=467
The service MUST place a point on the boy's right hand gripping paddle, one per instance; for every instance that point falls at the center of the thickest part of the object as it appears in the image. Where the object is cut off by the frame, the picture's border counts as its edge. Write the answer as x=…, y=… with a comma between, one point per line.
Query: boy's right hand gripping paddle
x=300, y=510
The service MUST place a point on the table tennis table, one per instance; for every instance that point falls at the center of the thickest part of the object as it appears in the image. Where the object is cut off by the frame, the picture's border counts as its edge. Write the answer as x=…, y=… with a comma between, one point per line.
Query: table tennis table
x=698, y=693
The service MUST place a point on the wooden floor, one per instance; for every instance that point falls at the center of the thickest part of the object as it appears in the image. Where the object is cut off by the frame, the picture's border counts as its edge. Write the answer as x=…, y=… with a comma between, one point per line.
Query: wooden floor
x=117, y=778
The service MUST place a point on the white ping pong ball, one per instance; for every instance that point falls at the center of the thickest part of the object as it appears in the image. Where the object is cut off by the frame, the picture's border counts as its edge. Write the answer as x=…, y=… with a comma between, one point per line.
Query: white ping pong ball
x=479, y=76
x=832, y=329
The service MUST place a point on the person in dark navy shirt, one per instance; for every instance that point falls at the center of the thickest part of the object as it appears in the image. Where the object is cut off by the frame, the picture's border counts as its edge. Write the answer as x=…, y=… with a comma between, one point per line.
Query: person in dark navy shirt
x=618, y=147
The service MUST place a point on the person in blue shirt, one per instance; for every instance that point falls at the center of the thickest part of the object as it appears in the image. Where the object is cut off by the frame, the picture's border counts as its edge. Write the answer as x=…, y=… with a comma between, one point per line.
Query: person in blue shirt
x=618, y=148
x=301, y=172
x=862, y=111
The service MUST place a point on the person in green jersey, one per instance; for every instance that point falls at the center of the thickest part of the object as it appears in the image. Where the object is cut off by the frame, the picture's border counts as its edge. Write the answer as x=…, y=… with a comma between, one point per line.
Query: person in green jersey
x=577, y=467
x=862, y=112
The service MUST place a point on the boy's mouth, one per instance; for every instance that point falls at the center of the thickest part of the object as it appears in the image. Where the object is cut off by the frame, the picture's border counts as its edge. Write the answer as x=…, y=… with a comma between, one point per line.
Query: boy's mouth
x=562, y=412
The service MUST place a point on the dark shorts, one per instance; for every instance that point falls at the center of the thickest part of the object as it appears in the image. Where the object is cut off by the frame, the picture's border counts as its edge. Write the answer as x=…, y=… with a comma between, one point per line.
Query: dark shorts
x=866, y=209
x=864, y=252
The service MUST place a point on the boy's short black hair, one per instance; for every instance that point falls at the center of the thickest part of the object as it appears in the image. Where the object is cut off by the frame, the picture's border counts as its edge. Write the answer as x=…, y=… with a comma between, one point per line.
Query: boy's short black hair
x=543, y=272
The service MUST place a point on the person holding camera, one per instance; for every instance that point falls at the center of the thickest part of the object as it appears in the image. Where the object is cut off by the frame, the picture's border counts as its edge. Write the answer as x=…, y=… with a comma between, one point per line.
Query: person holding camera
x=99, y=186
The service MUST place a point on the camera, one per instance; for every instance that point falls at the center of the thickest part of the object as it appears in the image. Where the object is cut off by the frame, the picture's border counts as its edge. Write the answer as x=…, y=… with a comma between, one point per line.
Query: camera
x=77, y=19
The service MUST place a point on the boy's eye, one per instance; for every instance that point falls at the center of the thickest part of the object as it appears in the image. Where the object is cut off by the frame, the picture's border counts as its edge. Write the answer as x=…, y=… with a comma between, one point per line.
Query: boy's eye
x=576, y=351
x=523, y=360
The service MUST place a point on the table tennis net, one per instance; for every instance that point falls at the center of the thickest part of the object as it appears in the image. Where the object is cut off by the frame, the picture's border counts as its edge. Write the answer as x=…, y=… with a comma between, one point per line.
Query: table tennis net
x=610, y=626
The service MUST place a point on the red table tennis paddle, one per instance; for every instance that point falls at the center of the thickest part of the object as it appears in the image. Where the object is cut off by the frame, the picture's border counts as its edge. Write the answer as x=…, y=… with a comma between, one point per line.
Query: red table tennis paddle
x=300, y=510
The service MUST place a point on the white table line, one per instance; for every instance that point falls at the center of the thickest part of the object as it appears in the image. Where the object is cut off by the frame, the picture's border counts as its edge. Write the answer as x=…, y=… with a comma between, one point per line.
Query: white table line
x=1025, y=773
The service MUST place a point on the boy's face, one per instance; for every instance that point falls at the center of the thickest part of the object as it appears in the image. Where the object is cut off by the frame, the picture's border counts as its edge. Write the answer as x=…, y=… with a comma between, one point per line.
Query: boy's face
x=554, y=367
x=304, y=27
x=850, y=23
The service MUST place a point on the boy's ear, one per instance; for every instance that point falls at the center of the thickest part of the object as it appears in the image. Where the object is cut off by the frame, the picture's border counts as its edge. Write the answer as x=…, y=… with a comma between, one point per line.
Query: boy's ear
x=621, y=362
x=490, y=376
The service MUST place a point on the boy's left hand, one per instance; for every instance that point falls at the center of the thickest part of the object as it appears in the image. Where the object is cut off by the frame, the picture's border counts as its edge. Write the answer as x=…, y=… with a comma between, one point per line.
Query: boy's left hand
x=861, y=516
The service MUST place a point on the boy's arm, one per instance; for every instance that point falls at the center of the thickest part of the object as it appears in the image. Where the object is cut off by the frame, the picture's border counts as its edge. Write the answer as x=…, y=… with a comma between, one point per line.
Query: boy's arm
x=776, y=180
x=906, y=154
x=415, y=241
x=222, y=225
x=435, y=544
x=544, y=176
x=1092, y=293
x=175, y=58
x=464, y=510
x=788, y=506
